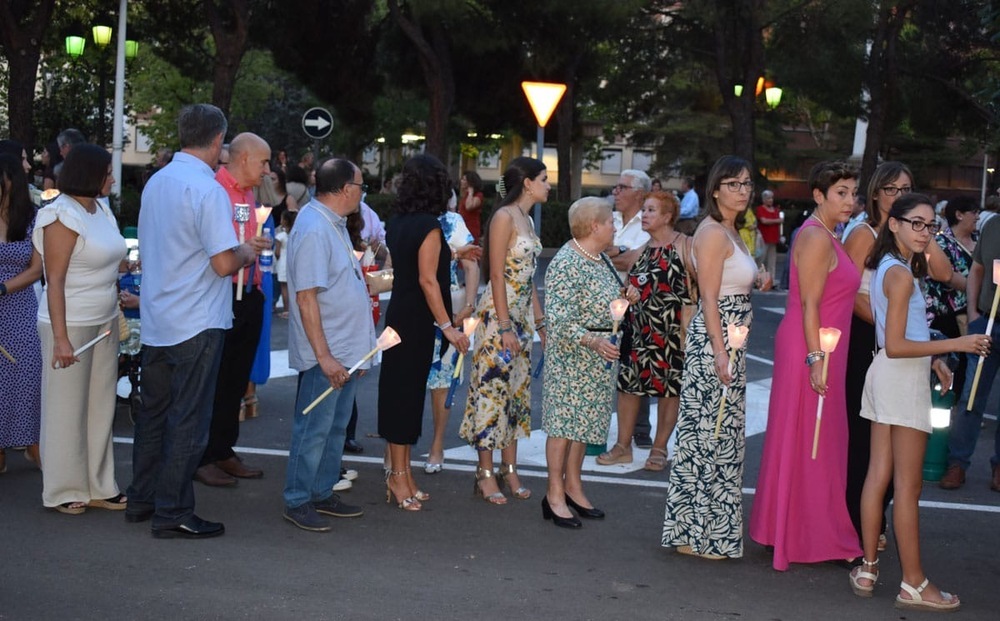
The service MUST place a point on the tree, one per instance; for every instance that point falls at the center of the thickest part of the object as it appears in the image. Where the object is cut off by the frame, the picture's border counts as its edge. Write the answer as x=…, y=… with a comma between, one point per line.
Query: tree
x=22, y=26
x=229, y=21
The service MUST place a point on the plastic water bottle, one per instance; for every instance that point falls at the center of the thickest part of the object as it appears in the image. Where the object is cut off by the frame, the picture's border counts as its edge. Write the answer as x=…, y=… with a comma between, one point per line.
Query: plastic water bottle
x=266, y=260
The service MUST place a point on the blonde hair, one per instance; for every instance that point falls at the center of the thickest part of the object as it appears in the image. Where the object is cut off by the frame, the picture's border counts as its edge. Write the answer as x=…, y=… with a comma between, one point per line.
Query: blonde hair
x=584, y=212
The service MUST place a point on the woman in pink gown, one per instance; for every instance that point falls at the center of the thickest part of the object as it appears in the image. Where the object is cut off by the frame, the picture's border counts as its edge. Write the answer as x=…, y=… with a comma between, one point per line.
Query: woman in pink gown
x=800, y=508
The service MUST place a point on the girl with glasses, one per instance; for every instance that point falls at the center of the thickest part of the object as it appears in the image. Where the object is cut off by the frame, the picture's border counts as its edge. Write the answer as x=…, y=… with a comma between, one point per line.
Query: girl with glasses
x=900, y=419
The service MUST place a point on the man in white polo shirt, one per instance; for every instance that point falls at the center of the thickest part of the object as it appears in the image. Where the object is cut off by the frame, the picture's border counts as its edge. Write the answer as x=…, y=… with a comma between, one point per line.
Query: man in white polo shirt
x=189, y=251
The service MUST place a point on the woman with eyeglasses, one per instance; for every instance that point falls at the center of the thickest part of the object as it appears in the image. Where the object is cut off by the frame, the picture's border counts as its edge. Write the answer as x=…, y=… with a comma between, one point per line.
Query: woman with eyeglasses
x=81, y=248
x=890, y=182
x=704, y=512
x=900, y=418
x=799, y=506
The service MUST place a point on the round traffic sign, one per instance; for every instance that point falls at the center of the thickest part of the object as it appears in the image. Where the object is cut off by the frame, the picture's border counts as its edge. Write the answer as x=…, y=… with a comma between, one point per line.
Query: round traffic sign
x=317, y=123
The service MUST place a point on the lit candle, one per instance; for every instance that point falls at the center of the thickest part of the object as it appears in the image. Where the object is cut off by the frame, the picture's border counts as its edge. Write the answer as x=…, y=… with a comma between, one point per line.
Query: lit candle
x=468, y=327
x=618, y=308
x=387, y=340
x=241, y=216
x=989, y=332
x=737, y=337
x=262, y=214
x=828, y=339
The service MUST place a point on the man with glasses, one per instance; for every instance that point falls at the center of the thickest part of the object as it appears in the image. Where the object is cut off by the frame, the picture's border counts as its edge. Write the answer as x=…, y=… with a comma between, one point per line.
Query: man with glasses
x=329, y=328
x=965, y=425
x=249, y=161
x=687, y=220
x=629, y=194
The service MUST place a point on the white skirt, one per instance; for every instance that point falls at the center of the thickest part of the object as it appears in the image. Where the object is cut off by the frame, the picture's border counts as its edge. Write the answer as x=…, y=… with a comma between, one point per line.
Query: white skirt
x=898, y=392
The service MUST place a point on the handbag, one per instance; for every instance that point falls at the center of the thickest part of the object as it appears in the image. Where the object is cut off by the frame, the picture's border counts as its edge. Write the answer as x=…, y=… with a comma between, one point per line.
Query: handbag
x=379, y=281
x=625, y=328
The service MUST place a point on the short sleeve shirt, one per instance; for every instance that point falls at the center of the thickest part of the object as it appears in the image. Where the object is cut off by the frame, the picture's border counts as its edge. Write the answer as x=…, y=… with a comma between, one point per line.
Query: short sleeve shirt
x=320, y=257
x=986, y=251
x=185, y=220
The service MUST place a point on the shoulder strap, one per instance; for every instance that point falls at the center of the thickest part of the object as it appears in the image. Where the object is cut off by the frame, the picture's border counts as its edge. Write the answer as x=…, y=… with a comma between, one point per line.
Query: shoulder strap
x=611, y=267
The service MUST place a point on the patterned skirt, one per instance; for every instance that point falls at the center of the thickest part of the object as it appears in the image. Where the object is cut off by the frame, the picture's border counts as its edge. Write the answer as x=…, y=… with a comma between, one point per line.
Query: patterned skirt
x=704, y=492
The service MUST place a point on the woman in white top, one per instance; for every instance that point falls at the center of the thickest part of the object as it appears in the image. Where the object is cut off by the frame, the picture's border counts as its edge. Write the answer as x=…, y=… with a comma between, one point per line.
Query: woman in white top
x=900, y=419
x=81, y=249
x=699, y=523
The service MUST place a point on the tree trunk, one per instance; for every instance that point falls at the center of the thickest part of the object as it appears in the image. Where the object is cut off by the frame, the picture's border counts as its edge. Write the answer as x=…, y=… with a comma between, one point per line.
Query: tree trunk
x=229, y=21
x=564, y=114
x=739, y=54
x=881, y=79
x=434, y=57
x=21, y=37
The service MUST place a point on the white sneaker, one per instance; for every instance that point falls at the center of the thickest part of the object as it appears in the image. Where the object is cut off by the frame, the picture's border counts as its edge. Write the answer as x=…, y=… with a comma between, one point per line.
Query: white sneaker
x=347, y=473
x=343, y=485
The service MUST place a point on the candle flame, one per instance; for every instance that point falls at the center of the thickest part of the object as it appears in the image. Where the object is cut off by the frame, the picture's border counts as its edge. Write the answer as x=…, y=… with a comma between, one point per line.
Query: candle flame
x=469, y=325
x=996, y=271
x=262, y=213
x=50, y=194
x=828, y=339
x=389, y=338
x=618, y=308
x=737, y=335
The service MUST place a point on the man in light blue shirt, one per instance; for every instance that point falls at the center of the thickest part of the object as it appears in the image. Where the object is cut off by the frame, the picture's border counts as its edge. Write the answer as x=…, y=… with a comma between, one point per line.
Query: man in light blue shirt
x=189, y=250
x=690, y=206
x=330, y=328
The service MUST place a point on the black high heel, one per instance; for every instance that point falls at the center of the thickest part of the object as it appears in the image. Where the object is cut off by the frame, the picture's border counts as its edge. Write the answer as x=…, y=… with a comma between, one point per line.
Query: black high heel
x=592, y=513
x=548, y=514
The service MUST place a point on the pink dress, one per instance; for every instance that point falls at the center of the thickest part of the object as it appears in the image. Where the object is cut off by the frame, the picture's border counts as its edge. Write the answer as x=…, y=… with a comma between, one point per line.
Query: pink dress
x=800, y=505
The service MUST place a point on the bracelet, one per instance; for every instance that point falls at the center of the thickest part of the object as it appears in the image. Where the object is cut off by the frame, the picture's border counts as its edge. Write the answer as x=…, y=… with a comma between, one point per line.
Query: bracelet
x=504, y=323
x=502, y=330
x=814, y=356
x=444, y=326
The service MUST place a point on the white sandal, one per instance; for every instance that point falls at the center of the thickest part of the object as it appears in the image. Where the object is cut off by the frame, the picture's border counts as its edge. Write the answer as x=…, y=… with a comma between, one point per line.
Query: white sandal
x=917, y=602
x=861, y=572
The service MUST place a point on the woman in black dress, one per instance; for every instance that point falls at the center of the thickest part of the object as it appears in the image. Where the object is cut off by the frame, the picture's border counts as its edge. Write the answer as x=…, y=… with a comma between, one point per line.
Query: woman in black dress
x=421, y=298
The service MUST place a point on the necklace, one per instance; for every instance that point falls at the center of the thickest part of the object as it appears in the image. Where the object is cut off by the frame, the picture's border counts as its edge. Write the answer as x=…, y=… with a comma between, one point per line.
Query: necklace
x=823, y=223
x=584, y=252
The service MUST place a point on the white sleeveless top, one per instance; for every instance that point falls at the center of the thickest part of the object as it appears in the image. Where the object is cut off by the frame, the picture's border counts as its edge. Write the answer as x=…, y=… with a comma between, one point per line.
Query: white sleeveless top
x=738, y=271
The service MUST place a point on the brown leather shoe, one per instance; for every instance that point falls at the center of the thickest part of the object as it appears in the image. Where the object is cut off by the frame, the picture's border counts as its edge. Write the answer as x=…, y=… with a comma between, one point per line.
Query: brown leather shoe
x=210, y=474
x=995, y=483
x=234, y=467
x=954, y=477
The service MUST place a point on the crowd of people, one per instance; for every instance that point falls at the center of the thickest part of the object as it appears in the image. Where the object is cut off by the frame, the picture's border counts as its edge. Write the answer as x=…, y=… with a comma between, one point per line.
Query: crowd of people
x=685, y=269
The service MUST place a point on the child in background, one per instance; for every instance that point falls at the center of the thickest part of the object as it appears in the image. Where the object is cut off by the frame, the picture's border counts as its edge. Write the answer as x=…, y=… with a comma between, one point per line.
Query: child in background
x=280, y=264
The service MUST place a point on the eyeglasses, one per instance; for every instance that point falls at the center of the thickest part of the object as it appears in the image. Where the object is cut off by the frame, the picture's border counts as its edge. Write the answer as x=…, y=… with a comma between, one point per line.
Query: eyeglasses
x=736, y=186
x=891, y=190
x=920, y=225
x=363, y=186
x=621, y=187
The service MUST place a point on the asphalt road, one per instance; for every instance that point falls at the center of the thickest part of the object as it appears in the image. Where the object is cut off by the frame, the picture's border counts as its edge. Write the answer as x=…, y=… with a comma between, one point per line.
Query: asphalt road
x=459, y=558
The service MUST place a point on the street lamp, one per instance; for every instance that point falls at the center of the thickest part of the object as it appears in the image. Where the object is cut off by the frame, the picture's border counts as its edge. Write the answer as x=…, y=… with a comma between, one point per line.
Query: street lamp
x=772, y=94
x=543, y=97
x=75, y=46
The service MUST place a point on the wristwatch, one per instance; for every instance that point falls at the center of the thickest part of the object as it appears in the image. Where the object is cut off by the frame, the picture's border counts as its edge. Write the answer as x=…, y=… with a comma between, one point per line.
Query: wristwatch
x=622, y=249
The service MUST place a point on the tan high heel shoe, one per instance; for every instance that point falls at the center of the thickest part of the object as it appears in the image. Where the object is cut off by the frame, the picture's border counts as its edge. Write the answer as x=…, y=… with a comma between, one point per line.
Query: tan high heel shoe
x=420, y=494
x=406, y=504
x=496, y=498
x=521, y=493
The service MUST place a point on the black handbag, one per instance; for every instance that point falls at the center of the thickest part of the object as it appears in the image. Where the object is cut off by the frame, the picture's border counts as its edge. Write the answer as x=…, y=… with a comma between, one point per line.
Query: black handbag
x=625, y=329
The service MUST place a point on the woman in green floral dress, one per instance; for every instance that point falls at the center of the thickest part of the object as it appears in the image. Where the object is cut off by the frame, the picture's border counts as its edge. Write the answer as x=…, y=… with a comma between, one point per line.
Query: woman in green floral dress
x=579, y=382
x=499, y=408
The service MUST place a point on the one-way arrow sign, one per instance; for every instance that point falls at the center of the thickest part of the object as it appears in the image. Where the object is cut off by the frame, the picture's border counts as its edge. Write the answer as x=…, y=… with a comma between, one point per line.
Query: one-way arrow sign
x=317, y=123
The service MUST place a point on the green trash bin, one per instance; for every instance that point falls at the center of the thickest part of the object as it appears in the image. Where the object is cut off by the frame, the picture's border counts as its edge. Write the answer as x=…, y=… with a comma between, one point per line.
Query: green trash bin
x=936, y=458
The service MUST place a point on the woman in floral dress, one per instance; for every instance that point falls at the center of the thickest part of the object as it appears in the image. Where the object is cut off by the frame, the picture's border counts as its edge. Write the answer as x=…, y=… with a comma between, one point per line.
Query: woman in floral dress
x=580, y=284
x=499, y=408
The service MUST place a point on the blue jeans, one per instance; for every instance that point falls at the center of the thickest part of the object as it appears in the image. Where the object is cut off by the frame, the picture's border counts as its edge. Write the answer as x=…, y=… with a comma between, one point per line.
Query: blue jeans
x=317, y=439
x=965, y=426
x=171, y=429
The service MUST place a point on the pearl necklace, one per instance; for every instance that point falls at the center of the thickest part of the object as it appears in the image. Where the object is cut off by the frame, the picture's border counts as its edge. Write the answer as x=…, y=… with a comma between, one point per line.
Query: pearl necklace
x=823, y=223
x=584, y=252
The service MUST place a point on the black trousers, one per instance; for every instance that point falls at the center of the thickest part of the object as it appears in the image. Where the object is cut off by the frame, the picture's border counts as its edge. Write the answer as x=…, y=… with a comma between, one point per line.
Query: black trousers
x=238, y=351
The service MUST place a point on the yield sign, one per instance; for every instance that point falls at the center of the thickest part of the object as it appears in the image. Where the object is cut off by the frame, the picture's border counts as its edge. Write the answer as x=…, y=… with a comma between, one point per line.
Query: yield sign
x=543, y=97
x=317, y=123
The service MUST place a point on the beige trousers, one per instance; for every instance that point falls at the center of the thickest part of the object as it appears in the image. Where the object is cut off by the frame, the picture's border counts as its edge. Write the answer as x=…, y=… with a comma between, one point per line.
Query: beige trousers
x=78, y=409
